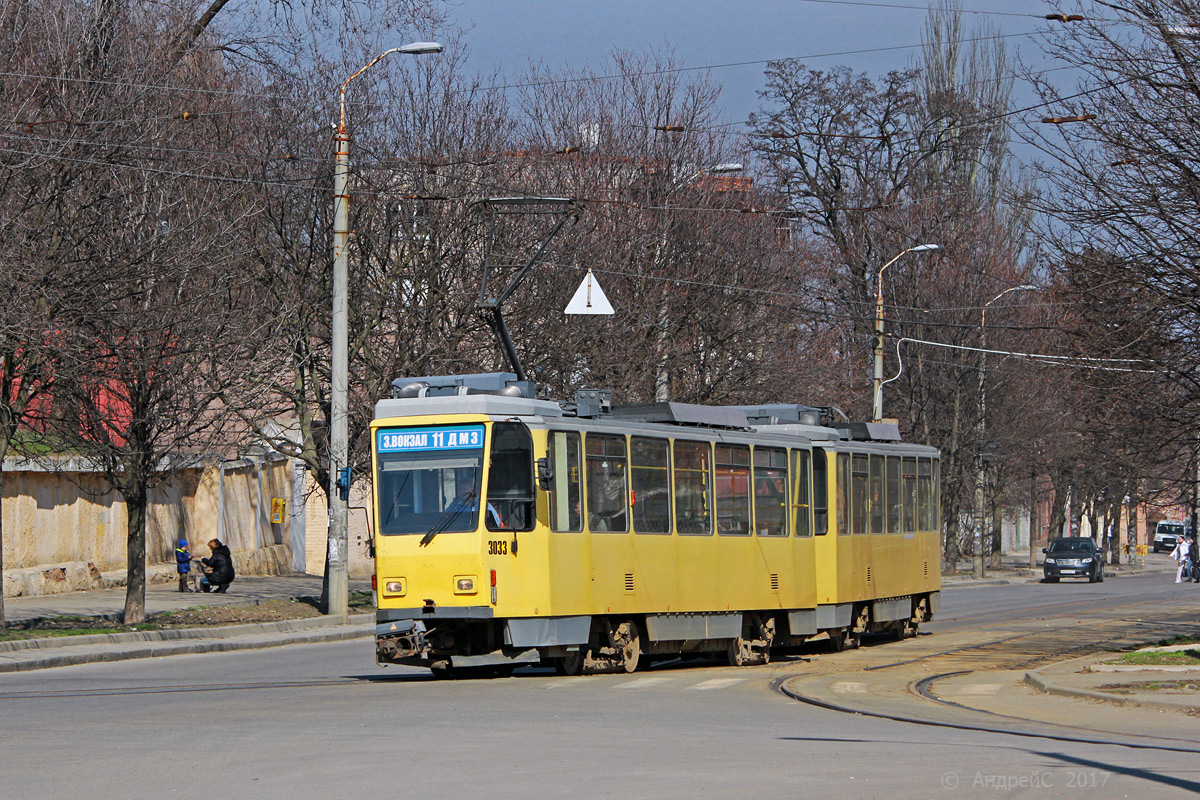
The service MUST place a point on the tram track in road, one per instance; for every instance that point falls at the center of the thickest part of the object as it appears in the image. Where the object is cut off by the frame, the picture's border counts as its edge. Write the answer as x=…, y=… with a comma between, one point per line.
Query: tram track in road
x=1017, y=648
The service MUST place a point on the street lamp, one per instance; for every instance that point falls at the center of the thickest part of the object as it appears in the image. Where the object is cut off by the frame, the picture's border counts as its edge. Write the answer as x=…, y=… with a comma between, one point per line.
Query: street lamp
x=877, y=408
x=981, y=428
x=339, y=471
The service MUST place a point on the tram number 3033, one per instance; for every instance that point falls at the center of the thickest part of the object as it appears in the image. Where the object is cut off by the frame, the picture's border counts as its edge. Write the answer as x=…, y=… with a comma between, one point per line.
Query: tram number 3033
x=497, y=548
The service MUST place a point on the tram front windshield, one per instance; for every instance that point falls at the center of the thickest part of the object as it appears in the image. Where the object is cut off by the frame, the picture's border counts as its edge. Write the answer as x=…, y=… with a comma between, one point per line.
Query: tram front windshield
x=429, y=479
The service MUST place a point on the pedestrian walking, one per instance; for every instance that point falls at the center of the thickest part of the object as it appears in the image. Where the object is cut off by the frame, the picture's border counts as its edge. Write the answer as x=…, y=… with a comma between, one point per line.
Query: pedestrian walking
x=1180, y=554
x=183, y=564
x=1193, y=559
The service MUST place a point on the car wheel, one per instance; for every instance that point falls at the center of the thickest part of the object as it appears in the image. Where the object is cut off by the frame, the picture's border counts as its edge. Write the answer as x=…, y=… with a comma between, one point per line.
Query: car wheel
x=1100, y=575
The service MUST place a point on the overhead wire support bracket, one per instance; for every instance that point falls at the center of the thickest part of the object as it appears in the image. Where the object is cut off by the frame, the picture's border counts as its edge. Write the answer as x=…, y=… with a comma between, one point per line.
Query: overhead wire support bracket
x=489, y=304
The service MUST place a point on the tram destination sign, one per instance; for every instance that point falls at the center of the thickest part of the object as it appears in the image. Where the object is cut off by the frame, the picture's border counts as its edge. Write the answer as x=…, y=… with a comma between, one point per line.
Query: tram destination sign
x=416, y=440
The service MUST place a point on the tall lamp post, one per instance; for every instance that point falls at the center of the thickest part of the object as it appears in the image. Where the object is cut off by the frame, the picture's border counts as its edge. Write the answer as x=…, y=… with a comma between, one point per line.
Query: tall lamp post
x=981, y=430
x=339, y=441
x=877, y=407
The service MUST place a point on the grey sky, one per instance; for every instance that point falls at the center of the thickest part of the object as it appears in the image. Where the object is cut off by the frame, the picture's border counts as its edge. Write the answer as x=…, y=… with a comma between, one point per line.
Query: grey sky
x=505, y=36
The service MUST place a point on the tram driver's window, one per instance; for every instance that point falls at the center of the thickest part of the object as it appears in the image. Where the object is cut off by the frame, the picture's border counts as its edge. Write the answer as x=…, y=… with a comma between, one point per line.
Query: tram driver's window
x=607, y=483
x=566, y=495
x=510, y=495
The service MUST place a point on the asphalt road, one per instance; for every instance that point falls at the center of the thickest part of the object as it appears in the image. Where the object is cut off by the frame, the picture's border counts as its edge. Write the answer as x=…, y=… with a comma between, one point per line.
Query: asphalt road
x=317, y=721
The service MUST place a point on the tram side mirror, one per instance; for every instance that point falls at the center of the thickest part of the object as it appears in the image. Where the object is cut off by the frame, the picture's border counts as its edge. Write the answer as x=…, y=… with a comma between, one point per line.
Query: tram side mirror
x=545, y=474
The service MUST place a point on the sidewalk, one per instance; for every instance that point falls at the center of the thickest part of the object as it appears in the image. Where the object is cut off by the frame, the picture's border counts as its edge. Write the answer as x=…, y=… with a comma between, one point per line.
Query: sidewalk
x=1016, y=569
x=60, y=651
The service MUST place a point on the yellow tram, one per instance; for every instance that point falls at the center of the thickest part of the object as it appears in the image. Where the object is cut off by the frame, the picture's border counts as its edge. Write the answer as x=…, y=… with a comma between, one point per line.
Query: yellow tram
x=512, y=530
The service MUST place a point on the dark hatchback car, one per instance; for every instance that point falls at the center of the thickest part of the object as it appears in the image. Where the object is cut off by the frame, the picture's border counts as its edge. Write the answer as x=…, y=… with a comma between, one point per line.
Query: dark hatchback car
x=1073, y=557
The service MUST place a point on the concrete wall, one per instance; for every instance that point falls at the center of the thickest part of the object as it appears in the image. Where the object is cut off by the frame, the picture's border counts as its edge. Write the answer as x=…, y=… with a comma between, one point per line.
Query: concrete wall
x=64, y=529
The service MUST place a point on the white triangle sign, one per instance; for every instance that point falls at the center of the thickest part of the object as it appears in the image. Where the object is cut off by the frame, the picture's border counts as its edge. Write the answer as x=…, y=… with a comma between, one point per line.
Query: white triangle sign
x=589, y=298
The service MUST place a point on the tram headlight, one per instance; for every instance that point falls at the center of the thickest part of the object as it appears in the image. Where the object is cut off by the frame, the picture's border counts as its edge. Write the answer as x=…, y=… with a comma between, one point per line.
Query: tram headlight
x=464, y=584
x=394, y=586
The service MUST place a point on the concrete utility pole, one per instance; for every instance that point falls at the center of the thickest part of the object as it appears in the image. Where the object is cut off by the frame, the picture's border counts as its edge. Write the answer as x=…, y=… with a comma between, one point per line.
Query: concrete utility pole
x=981, y=431
x=877, y=406
x=338, y=564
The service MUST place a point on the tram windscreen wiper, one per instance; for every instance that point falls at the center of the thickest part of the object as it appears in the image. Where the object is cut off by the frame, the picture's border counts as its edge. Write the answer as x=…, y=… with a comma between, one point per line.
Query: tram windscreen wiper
x=456, y=507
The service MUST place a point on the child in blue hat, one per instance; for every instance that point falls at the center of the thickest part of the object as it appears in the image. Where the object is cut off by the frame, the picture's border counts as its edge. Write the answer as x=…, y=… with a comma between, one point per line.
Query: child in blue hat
x=183, y=565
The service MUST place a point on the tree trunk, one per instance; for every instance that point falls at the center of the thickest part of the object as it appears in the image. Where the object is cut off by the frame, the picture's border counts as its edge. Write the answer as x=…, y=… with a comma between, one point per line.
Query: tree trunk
x=997, y=533
x=135, y=563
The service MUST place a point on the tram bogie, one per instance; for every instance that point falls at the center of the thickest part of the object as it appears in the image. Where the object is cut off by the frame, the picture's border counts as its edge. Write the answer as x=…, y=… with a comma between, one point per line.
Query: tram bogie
x=511, y=530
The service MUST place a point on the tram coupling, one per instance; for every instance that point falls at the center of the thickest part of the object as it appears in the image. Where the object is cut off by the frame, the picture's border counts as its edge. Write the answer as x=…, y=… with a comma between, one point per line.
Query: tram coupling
x=400, y=640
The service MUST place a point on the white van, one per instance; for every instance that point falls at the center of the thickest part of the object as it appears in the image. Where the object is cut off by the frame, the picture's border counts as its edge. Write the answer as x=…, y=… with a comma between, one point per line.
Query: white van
x=1166, y=535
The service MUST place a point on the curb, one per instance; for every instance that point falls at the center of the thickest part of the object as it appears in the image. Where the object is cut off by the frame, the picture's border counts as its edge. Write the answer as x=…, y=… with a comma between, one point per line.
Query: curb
x=1043, y=684
x=153, y=644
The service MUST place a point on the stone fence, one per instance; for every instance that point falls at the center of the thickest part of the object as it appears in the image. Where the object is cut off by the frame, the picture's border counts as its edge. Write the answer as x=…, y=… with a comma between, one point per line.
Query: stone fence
x=65, y=528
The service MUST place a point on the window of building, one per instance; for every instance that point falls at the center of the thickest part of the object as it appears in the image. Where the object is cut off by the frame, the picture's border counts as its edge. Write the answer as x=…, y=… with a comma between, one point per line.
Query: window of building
x=650, y=465
x=693, y=487
x=733, y=489
x=566, y=454
x=607, y=485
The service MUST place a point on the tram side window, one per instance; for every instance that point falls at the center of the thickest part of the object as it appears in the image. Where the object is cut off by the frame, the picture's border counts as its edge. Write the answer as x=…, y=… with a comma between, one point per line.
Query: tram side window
x=770, y=491
x=937, y=494
x=843, y=494
x=908, y=488
x=566, y=494
x=859, y=475
x=925, y=493
x=510, y=495
x=820, y=493
x=607, y=490
x=894, y=503
x=801, y=493
x=693, y=487
x=650, y=475
x=733, y=489
x=876, y=499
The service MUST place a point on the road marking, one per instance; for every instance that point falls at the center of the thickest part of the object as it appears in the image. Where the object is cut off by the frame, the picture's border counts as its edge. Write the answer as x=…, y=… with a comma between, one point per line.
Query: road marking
x=716, y=683
x=642, y=683
x=980, y=688
x=849, y=687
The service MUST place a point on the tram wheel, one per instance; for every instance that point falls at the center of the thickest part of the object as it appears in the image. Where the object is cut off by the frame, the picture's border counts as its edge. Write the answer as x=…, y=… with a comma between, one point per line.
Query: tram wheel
x=737, y=653
x=837, y=640
x=571, y=663
x=906, y=629
x=629, y=642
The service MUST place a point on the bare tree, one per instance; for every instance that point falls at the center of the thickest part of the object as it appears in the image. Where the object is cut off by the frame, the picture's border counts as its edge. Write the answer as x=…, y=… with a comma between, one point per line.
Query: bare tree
x=871, y=169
